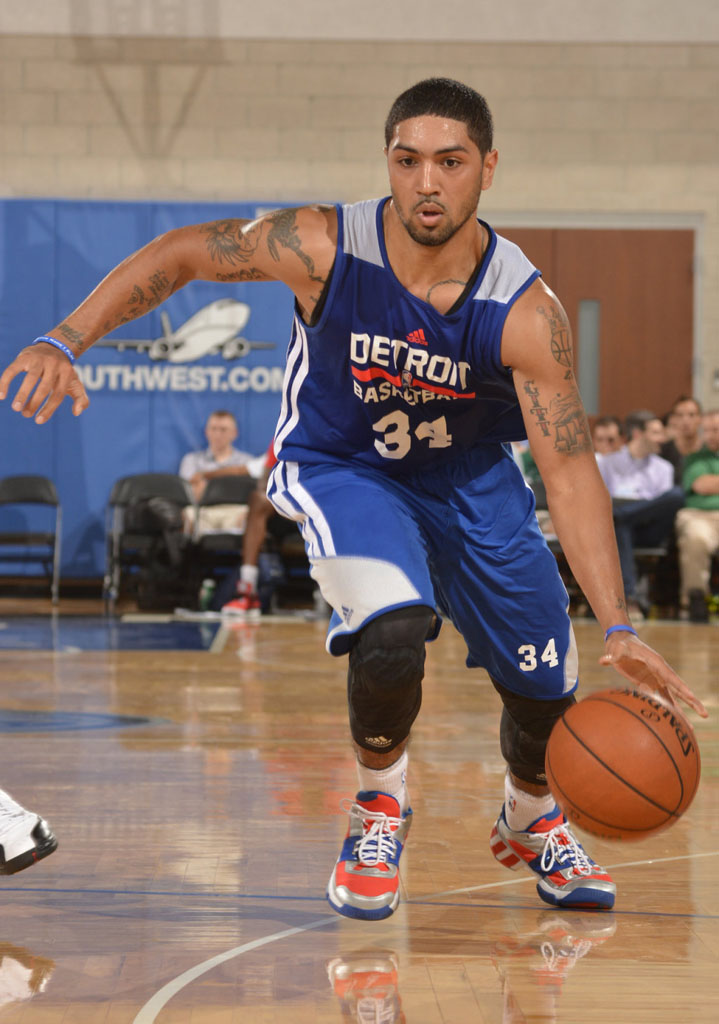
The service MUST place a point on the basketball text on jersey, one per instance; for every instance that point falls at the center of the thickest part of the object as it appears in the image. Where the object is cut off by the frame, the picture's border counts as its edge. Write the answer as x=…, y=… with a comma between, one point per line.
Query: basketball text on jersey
x=423, y=377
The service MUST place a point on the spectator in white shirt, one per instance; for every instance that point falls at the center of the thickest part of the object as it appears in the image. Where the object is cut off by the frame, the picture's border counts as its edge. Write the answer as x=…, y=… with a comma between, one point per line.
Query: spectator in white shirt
x=644, y=496
x=220, y=458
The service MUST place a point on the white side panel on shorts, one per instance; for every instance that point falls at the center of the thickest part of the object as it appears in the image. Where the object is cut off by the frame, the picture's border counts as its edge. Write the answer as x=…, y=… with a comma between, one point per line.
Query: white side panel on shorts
x=571, y=662
x=359, y=588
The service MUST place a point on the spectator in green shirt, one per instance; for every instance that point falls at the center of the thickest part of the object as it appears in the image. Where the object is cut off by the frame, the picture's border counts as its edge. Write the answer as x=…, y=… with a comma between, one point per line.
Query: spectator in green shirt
x=697, y=525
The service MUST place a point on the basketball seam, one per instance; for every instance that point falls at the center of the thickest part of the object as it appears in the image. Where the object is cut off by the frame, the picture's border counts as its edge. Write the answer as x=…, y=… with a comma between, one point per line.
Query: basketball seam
x=616, y=775
x=593, y=817
x=623, y=707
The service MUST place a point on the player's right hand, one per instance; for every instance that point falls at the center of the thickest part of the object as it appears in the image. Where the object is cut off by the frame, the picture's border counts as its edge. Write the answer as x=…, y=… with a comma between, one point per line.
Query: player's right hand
x=49, y=377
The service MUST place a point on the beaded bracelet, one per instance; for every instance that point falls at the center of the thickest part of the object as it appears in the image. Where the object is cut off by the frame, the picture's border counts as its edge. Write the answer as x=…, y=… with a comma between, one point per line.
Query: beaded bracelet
x=48, y=340
x=617, y=629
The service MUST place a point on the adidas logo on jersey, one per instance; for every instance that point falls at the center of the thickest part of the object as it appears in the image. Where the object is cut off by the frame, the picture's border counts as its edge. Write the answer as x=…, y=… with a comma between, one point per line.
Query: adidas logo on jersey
x=417, y=337
x=347, y=613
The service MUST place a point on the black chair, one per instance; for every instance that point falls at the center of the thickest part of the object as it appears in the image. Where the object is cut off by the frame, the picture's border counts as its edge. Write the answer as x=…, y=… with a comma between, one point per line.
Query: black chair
x=143, y=531
x=33, y=546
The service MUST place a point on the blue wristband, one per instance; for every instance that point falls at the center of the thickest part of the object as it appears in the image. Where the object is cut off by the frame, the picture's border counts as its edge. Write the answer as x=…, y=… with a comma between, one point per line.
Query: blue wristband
x=619, y=629
x=47, y=340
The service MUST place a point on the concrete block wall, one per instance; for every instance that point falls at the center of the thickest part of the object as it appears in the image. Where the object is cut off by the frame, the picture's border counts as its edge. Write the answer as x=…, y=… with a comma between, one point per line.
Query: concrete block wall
x=622, y=132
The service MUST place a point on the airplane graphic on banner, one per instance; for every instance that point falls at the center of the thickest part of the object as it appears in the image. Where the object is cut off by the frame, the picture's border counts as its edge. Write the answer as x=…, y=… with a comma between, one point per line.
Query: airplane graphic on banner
x=214, y=328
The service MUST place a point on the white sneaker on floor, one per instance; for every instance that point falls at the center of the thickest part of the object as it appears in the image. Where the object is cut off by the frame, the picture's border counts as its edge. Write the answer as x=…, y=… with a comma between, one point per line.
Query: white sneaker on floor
x=25, y=838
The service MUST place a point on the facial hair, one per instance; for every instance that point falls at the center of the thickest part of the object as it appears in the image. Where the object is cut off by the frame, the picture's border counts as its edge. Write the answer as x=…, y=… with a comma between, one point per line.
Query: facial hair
x=442, y=233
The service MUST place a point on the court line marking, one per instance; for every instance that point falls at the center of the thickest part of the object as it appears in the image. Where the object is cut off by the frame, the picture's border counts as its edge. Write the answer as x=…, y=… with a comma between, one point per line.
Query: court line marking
x=148, y=1013
x=219, y=641
x=611, y=867
x=152, y=1007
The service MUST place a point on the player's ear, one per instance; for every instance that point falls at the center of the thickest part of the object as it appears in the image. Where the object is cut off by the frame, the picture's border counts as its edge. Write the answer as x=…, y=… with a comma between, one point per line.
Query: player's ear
x=489, y=164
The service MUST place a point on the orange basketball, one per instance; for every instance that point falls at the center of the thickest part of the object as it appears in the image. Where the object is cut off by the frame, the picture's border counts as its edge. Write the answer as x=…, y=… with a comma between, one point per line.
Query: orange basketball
x=622, y=764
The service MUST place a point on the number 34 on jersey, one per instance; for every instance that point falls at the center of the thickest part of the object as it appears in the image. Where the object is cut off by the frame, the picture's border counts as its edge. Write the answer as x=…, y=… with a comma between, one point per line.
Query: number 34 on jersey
x=395, y=437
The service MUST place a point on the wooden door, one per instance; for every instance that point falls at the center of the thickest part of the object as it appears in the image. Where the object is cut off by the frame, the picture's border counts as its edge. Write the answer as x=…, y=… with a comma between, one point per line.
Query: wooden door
x=641, y=285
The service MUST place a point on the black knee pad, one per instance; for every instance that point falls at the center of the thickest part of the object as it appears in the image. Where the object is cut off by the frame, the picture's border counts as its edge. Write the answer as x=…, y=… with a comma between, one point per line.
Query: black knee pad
x=384, y=682
x=524, y=731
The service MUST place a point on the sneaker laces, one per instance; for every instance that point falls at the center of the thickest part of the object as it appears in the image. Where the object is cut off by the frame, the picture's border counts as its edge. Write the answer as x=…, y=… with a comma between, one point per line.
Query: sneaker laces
x=562, y=848
x=377, y=844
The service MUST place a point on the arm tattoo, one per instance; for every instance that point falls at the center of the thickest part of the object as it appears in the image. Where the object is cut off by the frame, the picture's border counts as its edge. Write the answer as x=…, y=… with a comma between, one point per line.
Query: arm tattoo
x=538, y=410
x=226, y=242
x=74, y=337
x=159, y=287
x=559, y=326
x=571, y=430
x=564, y=419
x=284, y=233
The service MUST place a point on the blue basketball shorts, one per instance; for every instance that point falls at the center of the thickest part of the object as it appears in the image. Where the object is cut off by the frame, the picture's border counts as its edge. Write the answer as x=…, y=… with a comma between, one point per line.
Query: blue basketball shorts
x=461, y=539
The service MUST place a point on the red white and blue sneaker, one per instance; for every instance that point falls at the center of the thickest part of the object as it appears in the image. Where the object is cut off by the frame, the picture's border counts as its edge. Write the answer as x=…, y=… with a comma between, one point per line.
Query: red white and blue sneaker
x=365, y=879
x=367, y=985
x=567, y=877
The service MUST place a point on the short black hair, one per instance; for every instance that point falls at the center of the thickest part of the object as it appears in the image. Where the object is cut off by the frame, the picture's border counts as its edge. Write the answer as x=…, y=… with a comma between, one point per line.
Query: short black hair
x=444, y=97
x=639, y=419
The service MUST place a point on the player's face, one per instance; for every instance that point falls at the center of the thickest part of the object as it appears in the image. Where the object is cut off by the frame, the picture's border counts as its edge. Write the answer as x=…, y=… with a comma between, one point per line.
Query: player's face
x=436, y=176
x=220, y=432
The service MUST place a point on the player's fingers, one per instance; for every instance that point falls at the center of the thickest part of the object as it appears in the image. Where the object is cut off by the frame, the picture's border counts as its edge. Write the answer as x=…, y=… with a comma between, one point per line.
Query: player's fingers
x=667, y=682
x=25, y=390
x=8, y=376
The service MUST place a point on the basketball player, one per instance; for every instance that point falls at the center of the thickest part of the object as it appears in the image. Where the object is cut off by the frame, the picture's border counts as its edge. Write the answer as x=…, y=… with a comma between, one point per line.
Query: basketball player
x=422, y=343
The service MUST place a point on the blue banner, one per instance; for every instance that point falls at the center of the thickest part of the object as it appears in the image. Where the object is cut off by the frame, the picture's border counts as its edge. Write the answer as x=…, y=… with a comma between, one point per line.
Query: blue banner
x=153, y=382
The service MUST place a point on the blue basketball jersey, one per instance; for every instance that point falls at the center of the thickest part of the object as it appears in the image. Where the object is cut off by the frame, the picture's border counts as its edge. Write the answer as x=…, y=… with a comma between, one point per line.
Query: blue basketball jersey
x=385, y=379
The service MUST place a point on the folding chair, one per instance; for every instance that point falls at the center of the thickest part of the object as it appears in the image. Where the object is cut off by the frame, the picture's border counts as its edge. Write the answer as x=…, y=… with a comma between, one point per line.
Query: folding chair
x=38, y=546
x=130, y=546
x=216, y=551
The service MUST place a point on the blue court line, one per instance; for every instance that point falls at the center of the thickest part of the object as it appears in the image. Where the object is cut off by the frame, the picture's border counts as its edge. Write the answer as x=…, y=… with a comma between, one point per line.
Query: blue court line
x=271, y=897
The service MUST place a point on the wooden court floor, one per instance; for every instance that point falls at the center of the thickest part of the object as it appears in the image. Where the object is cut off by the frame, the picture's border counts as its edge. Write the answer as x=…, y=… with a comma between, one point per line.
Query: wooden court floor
x=193, y=776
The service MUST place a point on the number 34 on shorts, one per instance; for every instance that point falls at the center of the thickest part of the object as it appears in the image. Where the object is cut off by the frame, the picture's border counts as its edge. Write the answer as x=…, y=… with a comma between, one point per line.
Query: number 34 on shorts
x=528, y=656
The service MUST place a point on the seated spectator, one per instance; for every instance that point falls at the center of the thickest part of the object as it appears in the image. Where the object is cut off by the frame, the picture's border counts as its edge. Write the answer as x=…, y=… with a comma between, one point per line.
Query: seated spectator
x=644, y=497
x=684, y=421
x=607, y=435
x=698, y=524
x=220, y=458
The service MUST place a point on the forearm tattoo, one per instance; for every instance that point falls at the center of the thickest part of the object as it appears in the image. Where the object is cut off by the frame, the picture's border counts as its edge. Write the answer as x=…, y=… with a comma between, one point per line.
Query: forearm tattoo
x=76, y=338
x=562, y=416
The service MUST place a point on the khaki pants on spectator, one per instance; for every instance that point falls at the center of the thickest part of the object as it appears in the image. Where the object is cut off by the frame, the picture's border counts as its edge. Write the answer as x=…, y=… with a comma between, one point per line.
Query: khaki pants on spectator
x=697, y=539
x=217, y=519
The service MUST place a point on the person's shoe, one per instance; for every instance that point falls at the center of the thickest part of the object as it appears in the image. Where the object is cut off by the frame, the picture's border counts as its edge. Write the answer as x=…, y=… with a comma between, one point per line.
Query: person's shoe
x=246, y=605
x=25, y=838
x=368, y=987
x=365, y=879
x=698, y=611
x=567, y=876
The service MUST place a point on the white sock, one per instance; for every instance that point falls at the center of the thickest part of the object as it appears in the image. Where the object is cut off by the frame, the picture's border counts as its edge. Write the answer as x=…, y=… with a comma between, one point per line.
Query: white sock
x=249, y=574
x=521, y=809
x=390, y=780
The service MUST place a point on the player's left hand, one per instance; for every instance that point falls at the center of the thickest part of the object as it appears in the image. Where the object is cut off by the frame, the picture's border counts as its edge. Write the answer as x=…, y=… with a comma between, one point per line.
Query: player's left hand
x=641, y=665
